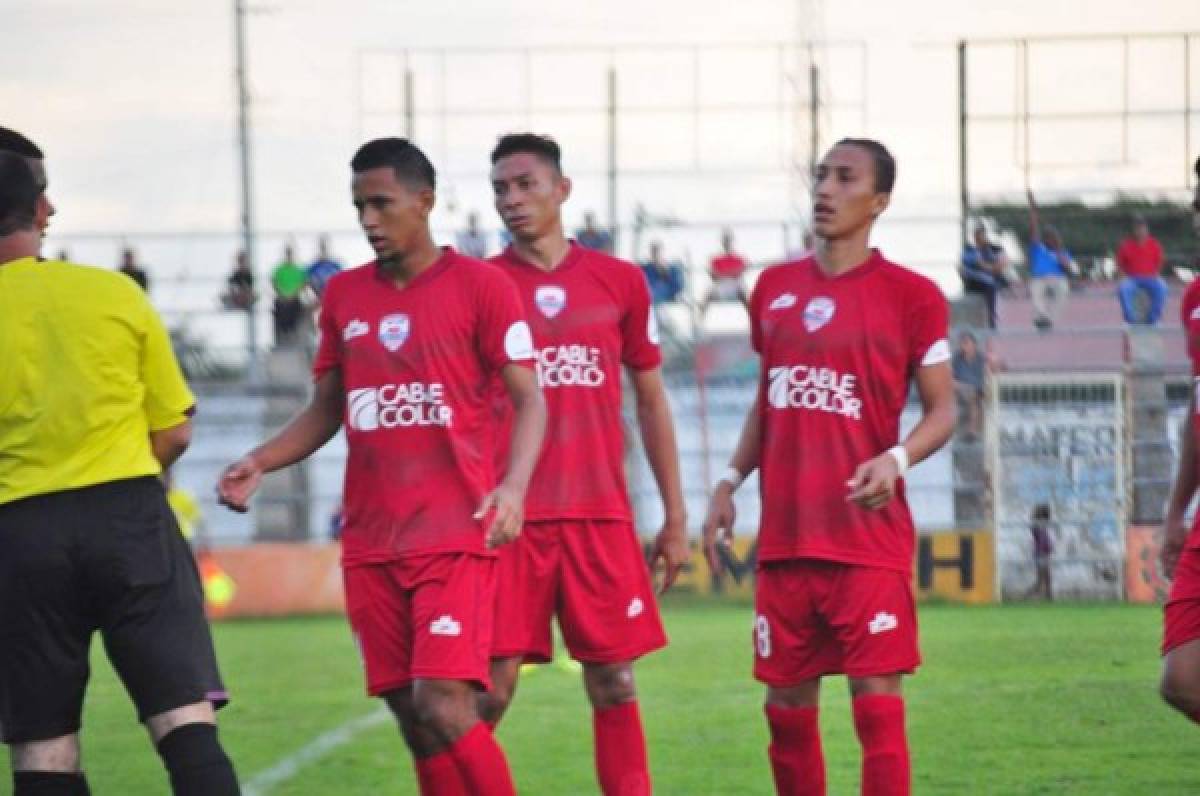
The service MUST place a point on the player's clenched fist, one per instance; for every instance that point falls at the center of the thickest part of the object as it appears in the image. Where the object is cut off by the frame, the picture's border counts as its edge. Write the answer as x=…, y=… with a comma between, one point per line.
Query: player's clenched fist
x=671, y=547
x=718, y=525
x=238, y=483
x=508, y=504
x=874, y=482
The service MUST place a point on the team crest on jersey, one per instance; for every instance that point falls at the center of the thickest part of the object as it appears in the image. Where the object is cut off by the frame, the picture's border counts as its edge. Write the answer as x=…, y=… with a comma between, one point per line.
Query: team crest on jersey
x=550, y=299
x=1195, y=314
x=818, y=312
x=393, y=330
x=783, y=301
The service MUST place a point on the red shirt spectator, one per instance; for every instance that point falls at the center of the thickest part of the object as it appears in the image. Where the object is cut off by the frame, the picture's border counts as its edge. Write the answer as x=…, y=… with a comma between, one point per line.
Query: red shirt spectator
x=1140, y=256
x=728, y=266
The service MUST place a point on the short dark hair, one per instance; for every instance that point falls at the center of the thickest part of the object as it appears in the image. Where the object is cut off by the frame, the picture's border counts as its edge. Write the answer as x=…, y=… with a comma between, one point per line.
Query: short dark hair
x=885, y=164
x=400, y=155
x=12, y=141
x=19, y=192
x=541, y=146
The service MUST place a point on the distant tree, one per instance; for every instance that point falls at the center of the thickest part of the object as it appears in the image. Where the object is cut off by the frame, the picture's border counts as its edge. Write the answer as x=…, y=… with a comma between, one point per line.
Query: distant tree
x=1095, y=232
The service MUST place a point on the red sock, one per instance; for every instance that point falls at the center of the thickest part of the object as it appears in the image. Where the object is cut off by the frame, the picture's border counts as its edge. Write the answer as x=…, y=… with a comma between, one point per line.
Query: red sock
x=621, y=751
x=438, y=776
x=879, y=721
x=1195, y=716
x=481, y=763
x=795, y=751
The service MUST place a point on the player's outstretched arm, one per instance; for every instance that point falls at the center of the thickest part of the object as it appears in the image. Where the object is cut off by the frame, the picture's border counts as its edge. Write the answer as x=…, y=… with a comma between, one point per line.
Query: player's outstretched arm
x=658, y=438
x=874, y=482
x=1175, y=530
x=529, y=426
x=718, y=524
x=1035, y=224
x=305, y=433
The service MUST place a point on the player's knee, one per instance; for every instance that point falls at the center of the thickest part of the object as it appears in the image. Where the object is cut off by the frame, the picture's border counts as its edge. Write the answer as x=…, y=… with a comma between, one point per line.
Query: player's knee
x=609, y=685
x=493, y=704
x=55, y=754
x=443, y=715
x=1181, y=693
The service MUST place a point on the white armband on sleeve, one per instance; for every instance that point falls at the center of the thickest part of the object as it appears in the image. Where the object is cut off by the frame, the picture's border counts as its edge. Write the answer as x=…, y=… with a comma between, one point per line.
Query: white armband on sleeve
x=938, y=353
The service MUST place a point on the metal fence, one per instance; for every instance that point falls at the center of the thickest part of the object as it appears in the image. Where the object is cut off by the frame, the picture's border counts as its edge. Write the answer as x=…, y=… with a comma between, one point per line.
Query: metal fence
x=1058, y=440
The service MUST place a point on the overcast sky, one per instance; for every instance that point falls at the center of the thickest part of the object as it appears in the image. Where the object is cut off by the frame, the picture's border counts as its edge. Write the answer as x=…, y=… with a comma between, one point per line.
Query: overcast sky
x=133, y=101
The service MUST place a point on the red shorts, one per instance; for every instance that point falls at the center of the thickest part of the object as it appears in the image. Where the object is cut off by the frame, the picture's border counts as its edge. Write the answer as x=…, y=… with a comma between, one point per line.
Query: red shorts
x=814, y=618
x=592, y=574
x=422, y=617
x=1181, y=614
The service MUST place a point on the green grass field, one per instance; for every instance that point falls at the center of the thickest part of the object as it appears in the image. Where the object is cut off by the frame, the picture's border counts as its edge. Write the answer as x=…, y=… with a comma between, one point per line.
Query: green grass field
x=1012, y=700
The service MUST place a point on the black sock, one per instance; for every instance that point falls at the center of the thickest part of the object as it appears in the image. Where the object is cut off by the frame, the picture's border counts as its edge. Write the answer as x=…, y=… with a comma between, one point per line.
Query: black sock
x=49, y=783
x=197, y=764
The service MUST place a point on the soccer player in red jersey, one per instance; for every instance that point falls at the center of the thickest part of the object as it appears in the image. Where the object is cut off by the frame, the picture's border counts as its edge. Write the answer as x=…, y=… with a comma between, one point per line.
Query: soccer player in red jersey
x=410, y=344
x=841, y=335
x=1180, y=685
x=579, y=556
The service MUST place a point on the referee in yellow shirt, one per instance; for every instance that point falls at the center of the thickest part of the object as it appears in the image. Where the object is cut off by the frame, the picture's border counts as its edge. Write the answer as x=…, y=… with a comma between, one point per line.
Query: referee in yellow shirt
x=92, y=407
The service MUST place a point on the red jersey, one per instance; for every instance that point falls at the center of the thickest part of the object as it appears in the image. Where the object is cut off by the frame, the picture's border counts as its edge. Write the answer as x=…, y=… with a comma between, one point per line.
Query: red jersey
x=838, y=355
x=590, y=315
x=1140, y=258
x=1189, y=317
x=727, y=266
x=416, y=364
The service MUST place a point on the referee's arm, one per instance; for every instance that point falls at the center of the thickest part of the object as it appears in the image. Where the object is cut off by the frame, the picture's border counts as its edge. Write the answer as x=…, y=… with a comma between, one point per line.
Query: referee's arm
x=170, y=443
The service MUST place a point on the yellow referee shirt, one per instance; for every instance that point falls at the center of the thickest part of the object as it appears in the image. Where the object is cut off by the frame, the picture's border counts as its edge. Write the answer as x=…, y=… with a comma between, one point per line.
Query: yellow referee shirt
x=86, y=373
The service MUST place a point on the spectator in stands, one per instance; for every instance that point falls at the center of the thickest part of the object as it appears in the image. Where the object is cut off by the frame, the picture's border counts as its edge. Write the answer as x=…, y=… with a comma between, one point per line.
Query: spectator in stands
x=969, y=368
x=239, y=286
x=665, y=279
x=726, y=270
x=1049, y=266
x=591, y=236
x=1043, y=551
x=1140, y=258
x=472, y=241
x=129, y=266
x=337, y=521
x=984, y=269
x=808, y=247
x=322, y=269
x=288, y=280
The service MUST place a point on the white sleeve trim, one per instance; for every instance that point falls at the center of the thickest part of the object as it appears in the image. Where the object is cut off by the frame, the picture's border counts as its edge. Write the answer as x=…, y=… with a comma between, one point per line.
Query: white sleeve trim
x=518, y=342
x=938, y=353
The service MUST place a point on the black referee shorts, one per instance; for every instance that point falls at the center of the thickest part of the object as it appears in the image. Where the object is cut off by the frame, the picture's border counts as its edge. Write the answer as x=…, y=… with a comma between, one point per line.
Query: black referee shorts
x=110, y=558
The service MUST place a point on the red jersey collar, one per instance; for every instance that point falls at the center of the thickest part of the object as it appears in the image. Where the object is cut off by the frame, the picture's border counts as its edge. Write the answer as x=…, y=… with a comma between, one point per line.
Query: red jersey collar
x=867, y=266
x=444, y=261
x=575, y=253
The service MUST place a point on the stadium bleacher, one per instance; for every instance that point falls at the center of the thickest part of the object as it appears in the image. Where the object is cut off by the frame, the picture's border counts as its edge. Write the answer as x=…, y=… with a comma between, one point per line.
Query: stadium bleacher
x=1090, y=334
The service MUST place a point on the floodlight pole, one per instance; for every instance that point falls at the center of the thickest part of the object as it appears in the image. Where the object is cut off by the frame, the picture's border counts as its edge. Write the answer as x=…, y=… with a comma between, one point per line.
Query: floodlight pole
x=963, y=195
x=247, y=187
x=410, y=115
x=612, y=156
x=814, y=112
